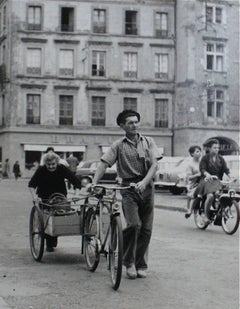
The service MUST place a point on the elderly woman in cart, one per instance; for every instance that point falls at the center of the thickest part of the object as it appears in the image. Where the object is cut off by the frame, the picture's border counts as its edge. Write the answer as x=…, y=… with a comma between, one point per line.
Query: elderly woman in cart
x=48, y=180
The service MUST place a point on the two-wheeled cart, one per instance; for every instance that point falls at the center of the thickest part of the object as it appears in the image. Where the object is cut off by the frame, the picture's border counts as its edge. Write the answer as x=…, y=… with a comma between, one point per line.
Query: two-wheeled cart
x=58, y=216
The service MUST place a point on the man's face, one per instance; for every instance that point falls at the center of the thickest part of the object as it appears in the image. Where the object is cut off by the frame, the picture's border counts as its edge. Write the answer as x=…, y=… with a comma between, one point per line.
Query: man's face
x=51, y=165
x=131, y=125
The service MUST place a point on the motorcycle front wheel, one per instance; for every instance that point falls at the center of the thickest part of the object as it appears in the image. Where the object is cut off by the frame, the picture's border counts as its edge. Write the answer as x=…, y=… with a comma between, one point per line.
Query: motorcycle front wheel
x=230, y=218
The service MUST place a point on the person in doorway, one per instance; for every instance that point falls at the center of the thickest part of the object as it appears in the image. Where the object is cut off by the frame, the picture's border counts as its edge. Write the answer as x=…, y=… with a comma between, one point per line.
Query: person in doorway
x=6, y=169
x=16, y=170
x=136, y=157
x=193, y=176
x=49, y=179
x=73, y=163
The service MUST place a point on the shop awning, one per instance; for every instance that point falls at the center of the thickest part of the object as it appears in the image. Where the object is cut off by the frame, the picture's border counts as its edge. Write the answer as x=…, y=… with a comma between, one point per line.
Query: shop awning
x=57, y=148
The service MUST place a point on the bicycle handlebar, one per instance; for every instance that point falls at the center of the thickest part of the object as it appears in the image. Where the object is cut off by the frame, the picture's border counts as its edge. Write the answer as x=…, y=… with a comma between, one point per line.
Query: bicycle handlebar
x=227, y=182
x=131, y=186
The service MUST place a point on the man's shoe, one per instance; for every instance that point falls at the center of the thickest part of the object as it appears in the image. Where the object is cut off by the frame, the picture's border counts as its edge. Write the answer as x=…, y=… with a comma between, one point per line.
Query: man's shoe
x=141, y=273
x=131, y=272
x=50, y=249
x=187, y=215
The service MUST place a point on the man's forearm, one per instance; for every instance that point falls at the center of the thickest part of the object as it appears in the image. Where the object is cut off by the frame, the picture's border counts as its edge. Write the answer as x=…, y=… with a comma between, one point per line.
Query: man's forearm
x=151, y=173
x=99, y=172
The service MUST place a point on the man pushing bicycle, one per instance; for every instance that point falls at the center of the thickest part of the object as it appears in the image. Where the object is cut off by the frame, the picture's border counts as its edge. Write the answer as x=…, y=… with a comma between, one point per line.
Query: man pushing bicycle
x=136, y=157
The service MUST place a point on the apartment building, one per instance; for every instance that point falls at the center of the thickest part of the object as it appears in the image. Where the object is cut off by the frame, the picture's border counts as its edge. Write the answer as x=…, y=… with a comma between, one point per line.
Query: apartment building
x=207, y=74
x=69, y=67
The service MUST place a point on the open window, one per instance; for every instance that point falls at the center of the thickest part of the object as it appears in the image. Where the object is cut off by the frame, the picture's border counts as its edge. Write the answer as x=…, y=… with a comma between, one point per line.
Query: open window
x=67, y=19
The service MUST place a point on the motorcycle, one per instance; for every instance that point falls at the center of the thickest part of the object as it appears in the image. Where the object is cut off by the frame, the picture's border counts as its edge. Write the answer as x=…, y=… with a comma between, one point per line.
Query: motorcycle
x=223, y=212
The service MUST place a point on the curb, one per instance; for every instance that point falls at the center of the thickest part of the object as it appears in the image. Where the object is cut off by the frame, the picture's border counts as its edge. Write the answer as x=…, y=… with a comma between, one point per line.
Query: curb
x=172, y=208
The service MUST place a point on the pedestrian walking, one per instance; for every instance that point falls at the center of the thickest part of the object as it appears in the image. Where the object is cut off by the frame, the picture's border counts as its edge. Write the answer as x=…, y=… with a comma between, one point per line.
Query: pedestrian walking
x=136, y=156
x=6, y=169
x=16, y=170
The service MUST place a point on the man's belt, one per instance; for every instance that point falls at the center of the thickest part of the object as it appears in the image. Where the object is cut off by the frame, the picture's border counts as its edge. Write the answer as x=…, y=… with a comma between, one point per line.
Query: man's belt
x=132, y=180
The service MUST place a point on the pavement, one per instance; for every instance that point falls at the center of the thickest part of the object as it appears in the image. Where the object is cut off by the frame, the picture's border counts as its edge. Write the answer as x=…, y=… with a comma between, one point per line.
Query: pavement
x=167, y=201
x=163, y=200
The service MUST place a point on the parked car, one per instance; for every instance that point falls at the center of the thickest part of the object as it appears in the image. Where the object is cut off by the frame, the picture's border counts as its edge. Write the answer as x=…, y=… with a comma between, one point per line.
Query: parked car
x=86, y=170
x=171, y=173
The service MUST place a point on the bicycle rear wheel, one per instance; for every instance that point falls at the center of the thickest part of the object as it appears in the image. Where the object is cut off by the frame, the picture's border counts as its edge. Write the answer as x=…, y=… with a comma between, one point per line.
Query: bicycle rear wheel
x=91, y=240
x=230, y=218
x=116, y=252
x=36, y=233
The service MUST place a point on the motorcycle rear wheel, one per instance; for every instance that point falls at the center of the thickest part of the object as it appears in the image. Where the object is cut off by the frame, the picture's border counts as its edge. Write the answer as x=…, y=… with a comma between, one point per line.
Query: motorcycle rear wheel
x=230, y=218
x=199, y=218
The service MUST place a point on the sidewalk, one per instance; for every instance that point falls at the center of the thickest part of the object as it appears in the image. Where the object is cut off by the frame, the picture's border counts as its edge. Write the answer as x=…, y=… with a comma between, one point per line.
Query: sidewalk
x=168, y=201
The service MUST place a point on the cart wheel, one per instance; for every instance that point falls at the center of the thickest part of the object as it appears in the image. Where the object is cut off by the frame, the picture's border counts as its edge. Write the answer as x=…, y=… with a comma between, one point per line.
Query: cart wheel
x=36, y=233
x=91, y=240
x=116, y=252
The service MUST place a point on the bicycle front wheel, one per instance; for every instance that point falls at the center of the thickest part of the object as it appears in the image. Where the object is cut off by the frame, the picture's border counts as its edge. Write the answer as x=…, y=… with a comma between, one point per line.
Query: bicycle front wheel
x=36, y=233
x=91, y=240
x=116, y=252
x=230, y=218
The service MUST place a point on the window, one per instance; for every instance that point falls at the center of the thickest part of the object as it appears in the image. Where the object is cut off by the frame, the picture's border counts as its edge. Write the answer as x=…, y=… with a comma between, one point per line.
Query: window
x=4, y=18
x=130, y=64
x=161, y=66
x=66, y=62
x=161, y=113
x=131, y=22
x=98, y=63
x=66, y=110
x=67, y=19
x=130, y=103
x=98, y=111
x=34, y=18
x=34, y=61
x=161, y=24
x=33, y=108
x=99, y=21
x=215, y=100
x=215, y=57
x=214, y=14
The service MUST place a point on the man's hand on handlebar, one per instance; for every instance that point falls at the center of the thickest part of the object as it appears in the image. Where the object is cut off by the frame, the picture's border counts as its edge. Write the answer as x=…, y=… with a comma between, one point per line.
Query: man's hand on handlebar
x=211, y=178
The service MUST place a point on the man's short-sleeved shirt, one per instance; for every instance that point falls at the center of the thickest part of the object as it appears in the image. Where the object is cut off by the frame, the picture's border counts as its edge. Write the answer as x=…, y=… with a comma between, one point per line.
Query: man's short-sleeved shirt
x=133, y=161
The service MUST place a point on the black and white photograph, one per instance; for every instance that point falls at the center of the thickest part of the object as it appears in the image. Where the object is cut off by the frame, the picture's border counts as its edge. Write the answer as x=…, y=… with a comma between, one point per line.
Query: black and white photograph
x=119, y=154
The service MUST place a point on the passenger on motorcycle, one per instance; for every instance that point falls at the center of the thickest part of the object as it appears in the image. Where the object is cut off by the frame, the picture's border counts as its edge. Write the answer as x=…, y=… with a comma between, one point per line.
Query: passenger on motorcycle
x=193, y=176
x=212, y=167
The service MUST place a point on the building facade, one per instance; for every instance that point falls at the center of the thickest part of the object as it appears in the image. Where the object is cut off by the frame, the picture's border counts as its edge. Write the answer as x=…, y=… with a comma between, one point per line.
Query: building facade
x=207, y=74
x=69, y=67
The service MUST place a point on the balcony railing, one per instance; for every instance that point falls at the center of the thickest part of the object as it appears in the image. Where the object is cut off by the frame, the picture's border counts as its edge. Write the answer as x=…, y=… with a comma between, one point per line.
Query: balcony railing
x=132, y=74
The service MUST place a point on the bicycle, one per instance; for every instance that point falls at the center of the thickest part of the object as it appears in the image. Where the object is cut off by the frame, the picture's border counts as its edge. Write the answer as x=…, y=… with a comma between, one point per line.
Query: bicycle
x=103, y=230
x=224, y=210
